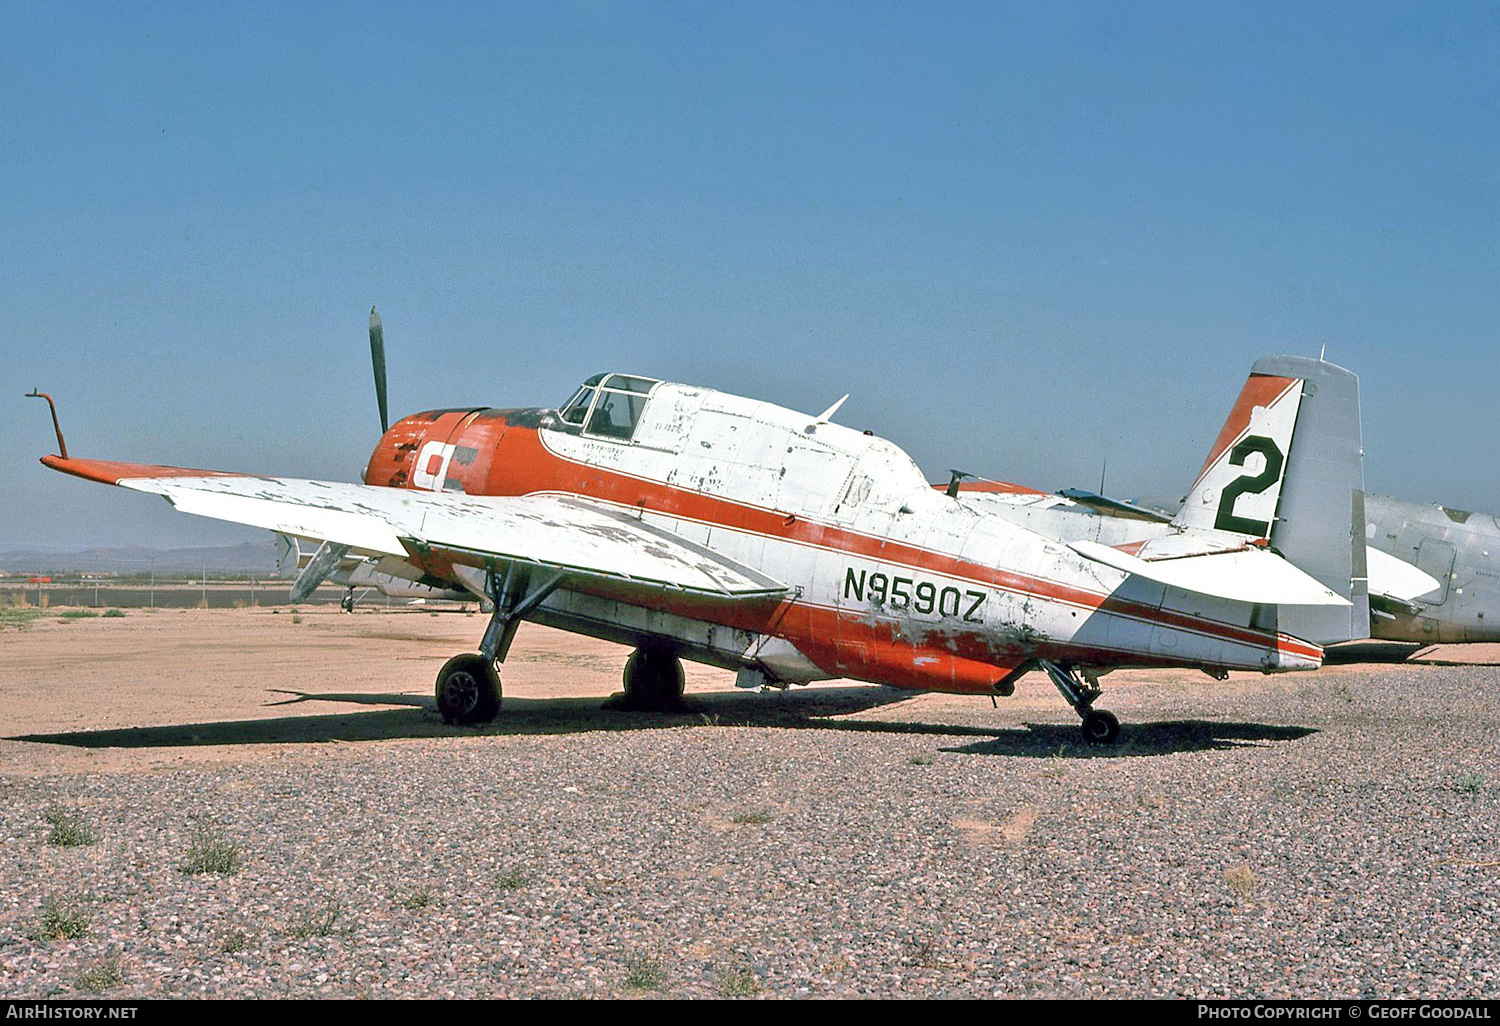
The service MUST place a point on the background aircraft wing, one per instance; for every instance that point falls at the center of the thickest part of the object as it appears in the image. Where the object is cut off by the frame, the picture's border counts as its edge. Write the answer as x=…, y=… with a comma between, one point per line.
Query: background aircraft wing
x=1105, y=506
x=559, y=532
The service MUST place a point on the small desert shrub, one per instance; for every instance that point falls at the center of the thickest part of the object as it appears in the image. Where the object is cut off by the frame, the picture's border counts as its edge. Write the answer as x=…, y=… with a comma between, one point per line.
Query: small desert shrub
x=110, y=614
x=920, y=760
x=751, y=818
x=234, y=942
x=68, y=829
x=99, y=978
x=60, y=921
x=211, y=852
x=19, y=617
x=1468, y=782
x=296, y=619
x=511, y=880
x=1241, y=880
x=316, y=922
x=417, y=899
x=76, y=614
x=644, y=972
x=737, y=981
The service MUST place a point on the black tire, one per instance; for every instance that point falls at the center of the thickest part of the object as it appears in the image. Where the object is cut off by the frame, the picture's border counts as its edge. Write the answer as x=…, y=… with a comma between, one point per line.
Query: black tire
x=347, y=603
x=468, y=690
x=1100, y=727
x=653, y=679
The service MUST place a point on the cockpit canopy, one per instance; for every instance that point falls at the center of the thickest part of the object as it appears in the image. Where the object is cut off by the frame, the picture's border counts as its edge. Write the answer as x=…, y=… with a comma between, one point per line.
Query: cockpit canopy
x=609, y=405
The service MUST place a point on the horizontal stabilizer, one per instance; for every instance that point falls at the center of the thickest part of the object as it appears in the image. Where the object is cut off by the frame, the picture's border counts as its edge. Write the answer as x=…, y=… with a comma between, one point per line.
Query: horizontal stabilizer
x=1397, y=579
x=1244, y=575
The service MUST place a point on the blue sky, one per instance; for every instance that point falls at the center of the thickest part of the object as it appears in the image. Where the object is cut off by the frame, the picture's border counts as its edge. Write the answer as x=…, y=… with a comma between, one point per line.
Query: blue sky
x=1026, y=237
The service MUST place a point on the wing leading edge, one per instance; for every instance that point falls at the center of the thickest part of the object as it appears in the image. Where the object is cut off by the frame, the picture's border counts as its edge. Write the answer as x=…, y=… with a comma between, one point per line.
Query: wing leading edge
x=563, y=533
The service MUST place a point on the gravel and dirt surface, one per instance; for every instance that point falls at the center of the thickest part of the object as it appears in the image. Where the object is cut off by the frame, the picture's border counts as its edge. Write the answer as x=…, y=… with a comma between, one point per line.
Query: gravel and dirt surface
x=1308, y=835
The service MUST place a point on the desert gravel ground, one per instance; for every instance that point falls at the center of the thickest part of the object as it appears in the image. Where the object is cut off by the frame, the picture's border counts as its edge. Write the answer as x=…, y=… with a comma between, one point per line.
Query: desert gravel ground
x=1312, y=835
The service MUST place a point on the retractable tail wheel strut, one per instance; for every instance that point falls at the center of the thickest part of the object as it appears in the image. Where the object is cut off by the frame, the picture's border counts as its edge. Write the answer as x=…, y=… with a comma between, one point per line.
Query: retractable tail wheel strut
x=1099, y=725
x=468, y=685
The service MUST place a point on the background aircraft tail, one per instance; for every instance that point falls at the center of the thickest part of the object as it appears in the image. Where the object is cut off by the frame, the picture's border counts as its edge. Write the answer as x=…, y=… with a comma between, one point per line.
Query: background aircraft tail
x=1288, y=470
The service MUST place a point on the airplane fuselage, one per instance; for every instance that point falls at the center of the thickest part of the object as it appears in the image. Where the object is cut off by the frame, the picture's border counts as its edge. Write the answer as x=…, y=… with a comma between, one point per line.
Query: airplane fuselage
x=892, y=581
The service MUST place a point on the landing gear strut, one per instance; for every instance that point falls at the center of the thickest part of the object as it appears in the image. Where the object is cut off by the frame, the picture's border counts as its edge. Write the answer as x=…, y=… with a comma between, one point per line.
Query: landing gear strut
x=653, y=678
x=1099, y=726
x=468, y=685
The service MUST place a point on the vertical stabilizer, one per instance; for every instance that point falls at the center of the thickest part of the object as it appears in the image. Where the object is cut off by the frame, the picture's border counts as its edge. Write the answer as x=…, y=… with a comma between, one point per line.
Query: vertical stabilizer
x=1288, y=470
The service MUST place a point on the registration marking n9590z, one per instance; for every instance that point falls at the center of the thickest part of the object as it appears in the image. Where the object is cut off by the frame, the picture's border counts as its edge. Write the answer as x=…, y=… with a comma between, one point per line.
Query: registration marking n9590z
x=913, y=593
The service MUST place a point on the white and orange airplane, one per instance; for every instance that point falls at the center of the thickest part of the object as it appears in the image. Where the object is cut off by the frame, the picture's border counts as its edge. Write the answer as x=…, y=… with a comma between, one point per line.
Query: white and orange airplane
x=690, y=523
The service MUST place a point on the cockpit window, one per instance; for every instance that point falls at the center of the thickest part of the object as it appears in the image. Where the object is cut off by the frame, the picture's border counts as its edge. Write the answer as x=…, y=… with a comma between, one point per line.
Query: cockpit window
x=609, y=404
x=616, y=413
x=626, y=383
x=578, y=406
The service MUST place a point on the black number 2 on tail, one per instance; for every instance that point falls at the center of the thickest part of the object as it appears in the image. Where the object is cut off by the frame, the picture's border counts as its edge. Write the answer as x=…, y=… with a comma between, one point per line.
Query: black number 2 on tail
x=1249, y=485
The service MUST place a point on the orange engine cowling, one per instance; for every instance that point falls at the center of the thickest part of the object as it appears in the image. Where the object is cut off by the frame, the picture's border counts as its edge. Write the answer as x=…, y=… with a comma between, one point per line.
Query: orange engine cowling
x=422, y=451
x=444, y=450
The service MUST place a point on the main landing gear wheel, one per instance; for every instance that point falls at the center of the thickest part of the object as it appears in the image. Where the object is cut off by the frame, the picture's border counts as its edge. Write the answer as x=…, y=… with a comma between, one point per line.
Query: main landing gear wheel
x=653, y=679
x=347, y=602
x=1081, y=688
x=1100, y=727
x=468, y=689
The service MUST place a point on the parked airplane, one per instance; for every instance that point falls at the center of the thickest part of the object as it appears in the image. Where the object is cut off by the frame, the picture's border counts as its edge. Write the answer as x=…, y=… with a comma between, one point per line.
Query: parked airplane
x=691, y=523
x=359, y=576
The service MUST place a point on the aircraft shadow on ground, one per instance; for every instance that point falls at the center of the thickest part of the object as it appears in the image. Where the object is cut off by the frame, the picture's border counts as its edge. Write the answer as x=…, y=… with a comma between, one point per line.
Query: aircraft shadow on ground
x=1371, y=652
x=822, y=709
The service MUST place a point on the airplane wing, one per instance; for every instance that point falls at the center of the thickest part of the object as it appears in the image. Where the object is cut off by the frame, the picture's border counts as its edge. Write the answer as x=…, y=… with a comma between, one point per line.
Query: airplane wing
x=578, y=538
x=1105, y=506
x=1242, y=574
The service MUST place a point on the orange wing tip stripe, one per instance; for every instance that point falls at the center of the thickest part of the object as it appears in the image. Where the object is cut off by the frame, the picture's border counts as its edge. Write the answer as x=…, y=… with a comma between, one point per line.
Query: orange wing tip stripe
x=112, y=472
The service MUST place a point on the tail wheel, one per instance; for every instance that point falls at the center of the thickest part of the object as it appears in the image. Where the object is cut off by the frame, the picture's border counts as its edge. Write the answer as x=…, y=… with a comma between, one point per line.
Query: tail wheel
x=1100, y=727
x=468, y=689
x=653, y=678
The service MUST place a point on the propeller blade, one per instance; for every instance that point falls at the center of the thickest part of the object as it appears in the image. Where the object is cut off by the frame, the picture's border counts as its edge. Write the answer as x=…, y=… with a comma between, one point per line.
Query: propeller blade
x=377, y=357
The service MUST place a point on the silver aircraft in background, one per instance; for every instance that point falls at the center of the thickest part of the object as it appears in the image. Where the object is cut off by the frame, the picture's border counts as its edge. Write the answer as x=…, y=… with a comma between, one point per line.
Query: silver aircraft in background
x=1449, y=560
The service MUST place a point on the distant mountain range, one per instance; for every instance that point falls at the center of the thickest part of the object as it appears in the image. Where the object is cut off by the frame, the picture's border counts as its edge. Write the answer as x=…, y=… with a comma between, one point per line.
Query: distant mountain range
x=248, y=557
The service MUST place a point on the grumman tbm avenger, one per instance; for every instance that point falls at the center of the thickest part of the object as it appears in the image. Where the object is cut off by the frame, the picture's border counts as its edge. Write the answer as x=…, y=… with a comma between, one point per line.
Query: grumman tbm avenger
x=693, y=524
